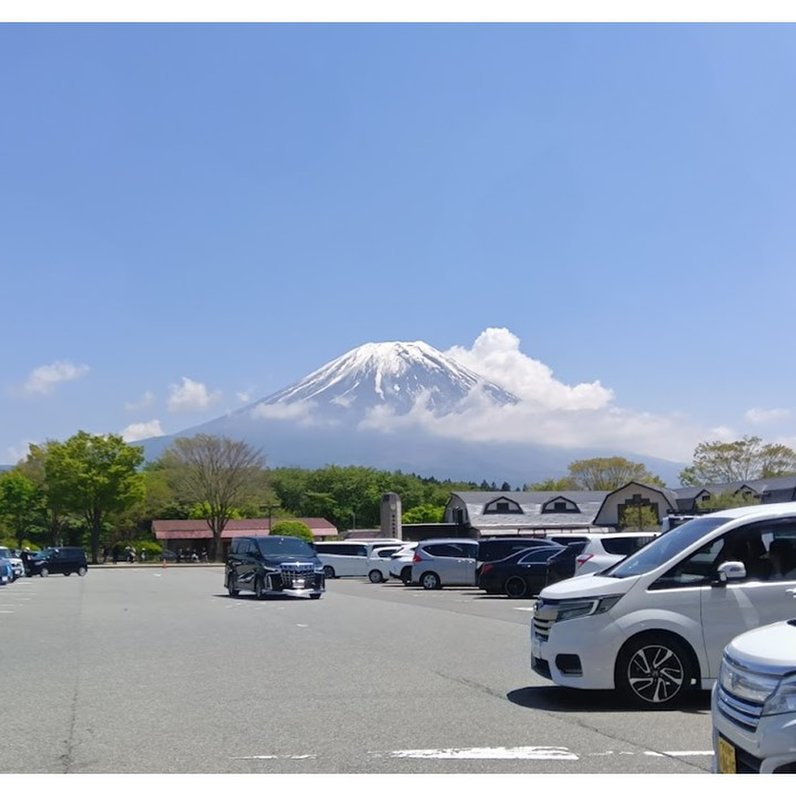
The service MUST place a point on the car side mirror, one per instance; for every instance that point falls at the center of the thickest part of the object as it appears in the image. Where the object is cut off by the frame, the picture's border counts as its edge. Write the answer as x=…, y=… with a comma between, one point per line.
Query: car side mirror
x=728, y=571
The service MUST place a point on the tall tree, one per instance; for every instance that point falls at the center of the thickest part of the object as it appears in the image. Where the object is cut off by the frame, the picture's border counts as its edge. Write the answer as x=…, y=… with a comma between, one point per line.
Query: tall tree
x=35, y=467
x=219, y=473
x=610, y=473
x=747, y=459
x=93, y=476
x=21, y=504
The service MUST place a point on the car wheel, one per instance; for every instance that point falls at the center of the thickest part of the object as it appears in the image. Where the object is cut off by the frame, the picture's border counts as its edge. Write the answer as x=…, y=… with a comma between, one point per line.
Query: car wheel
x=315, y=596
x=654, y=671
x=232, y=585
x=430, y=581
x=406, y=575
x=259, y=588
x=516, y=587
x=67, y=574
x=328, y=572
x=374, y=576
x=44, y=572
x=81, y=571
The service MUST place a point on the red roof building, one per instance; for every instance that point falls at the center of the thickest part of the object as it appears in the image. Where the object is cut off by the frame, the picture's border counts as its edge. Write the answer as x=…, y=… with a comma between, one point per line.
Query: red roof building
x=174, y=533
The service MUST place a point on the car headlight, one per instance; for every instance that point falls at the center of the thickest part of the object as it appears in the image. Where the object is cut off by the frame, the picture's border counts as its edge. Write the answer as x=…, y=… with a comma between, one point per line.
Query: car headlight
x=586, y=607
x=783, y=700
x=745, y=684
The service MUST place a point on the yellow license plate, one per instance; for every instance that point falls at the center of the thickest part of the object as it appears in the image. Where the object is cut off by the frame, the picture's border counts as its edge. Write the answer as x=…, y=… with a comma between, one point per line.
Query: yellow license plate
x=726, y=757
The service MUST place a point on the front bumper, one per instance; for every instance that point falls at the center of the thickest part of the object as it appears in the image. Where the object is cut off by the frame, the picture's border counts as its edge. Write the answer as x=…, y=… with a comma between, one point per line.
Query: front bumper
x=764, y=749
x=578, y=653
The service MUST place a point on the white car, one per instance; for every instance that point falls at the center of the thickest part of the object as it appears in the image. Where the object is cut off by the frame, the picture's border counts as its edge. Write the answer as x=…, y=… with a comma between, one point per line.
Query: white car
x=400, y=566
x=16, y=561
x=604, y=549
x=655, y=625
x=379, y=563
x=753, y=705
x=444, y=562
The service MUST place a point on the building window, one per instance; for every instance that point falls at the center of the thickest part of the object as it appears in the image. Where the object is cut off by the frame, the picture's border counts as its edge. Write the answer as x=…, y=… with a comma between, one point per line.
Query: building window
x=502, y=506
x=560, y=506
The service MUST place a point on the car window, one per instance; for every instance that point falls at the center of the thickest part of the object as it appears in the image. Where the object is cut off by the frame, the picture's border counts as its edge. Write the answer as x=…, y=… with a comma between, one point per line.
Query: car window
x=539, y=554
x=624, y=546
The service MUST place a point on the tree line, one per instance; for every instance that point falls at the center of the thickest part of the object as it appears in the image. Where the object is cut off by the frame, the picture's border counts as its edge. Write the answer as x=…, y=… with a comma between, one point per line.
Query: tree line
x=97, y=490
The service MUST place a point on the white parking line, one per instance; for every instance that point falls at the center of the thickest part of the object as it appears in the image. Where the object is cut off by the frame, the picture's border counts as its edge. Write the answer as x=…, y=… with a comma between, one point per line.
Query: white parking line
x=490, y=753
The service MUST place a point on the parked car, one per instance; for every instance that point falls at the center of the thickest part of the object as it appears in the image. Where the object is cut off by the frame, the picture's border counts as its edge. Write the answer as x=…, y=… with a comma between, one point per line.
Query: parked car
x=522, y=574
x=604, y=549
x=444, y=562
x=6, y=572
x=273, y=565
x=58, y=560
x=499, y=547
x=379, y=563
x=350, y=558
x=753, y=704
x=654, y=626
x=17, y=567
x=400, y=566
x=562, y=565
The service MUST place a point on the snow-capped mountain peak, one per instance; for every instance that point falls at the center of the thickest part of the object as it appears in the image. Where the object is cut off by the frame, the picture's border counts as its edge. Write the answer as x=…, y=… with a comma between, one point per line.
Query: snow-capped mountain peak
x=392, y=374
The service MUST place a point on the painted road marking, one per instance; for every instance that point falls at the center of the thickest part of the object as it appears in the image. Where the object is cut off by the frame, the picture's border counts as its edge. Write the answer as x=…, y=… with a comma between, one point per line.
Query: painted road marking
x=493, y=753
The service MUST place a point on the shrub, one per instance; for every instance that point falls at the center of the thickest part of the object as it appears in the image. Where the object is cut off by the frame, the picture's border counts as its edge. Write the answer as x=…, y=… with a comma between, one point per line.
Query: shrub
x=293, y=528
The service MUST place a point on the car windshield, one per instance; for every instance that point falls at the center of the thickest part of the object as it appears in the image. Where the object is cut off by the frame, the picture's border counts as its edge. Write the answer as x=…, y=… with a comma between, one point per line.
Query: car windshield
x=284, y=546
x=664, y=547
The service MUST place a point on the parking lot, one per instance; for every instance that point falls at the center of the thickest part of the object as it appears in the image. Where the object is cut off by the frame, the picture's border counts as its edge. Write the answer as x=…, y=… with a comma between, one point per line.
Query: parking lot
x=157, y=670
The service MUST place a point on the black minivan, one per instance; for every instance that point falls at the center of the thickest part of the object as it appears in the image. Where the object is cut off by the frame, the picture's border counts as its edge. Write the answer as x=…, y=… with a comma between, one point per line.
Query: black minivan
x=58, y=560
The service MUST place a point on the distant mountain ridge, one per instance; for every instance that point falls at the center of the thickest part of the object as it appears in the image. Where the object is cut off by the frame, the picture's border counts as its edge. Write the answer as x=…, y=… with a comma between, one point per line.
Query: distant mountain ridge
x=331, y=416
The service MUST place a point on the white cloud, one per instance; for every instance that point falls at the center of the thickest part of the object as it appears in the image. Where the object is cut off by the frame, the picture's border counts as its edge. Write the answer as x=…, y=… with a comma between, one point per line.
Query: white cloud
x=760, y=416
x=137, y=431
x=146, y=400
x=301, y=411
x=550, y=412
x=244, y=397
x=15, y=454
x=496, y=356
x=45, y=378
x=191, y=396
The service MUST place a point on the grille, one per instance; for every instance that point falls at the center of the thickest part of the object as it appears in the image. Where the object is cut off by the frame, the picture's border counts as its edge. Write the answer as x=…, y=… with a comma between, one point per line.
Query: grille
x=741, y=712
x=293, y=572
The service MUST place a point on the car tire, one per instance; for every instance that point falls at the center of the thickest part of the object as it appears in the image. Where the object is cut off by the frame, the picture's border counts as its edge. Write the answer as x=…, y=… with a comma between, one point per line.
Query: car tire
x=654, y=670
x=81, y=571
x=259, y=588
x=315, y=596
x=374, y=576
x=430, y=581
x=328, y=572
x=515, y=587
x=406, y=576
x=67, y=574
x=44, y=572
x=232, y=585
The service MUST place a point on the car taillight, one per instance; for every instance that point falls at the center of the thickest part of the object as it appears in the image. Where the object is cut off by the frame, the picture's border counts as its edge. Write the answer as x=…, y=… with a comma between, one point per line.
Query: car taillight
x=416, y=559
x=486, y=568
x=583, y=559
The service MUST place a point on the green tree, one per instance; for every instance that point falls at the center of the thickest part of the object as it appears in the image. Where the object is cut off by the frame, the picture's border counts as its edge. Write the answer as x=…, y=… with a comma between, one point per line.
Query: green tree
x=293, y=528
x=21, y=504
x=57, y=520
x=746, y=459
x=94, y=476
x=728, y=500
x=610, y=473
x=638, y=518
x=426, y=512
x=215, y=471
x=565, y=484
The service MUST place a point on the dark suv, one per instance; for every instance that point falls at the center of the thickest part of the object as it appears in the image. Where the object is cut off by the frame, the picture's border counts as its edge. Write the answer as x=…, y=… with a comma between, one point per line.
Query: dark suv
x=271, y=565
x=58, y=560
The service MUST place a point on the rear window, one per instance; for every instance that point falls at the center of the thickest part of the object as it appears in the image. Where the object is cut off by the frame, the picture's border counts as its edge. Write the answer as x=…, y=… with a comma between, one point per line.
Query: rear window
x=625, y=546
x=452, y=550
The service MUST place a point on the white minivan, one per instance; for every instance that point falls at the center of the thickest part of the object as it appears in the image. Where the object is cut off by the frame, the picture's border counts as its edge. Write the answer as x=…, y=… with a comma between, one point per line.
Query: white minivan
x=655, y=624
x=351, y=559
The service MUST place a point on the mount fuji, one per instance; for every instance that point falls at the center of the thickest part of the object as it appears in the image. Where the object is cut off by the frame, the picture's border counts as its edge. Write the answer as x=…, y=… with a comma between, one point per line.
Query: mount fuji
x=377, y=406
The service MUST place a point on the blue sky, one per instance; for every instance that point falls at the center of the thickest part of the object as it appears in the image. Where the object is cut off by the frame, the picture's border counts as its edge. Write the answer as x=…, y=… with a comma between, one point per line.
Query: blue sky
x=195, y=216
